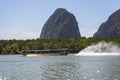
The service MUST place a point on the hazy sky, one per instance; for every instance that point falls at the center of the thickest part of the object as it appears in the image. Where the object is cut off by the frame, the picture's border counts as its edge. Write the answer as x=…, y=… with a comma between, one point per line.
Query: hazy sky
x=24, y=19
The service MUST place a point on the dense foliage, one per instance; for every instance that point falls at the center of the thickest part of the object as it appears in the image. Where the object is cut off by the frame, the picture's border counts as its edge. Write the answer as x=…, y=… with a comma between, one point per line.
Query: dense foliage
x=72, y=44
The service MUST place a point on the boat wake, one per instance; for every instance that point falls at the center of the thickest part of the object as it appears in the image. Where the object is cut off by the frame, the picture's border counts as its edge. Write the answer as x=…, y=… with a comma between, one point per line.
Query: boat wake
x=102, y=48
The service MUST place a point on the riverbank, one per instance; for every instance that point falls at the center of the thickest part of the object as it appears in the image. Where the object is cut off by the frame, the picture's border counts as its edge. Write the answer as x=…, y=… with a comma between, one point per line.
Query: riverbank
x=74, y=45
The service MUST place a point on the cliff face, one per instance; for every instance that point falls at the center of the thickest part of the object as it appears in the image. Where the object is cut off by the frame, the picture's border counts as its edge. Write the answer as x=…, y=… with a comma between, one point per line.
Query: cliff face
x=61, y=24
x=111, y=28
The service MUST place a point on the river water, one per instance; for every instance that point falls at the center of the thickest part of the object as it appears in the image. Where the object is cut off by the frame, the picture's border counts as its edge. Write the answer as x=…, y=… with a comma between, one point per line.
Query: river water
x=18, y=67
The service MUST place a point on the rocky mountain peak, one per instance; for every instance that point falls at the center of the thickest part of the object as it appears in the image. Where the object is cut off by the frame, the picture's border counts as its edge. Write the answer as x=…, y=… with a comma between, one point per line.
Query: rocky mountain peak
x=61, y=24
x=110, y=28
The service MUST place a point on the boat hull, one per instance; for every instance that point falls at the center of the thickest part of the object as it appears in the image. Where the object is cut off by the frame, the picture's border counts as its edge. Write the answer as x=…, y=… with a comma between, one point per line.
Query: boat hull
x=51, y=52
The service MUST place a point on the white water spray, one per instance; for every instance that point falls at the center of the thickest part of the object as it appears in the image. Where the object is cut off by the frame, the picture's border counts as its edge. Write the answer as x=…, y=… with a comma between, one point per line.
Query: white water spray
x=102, y=48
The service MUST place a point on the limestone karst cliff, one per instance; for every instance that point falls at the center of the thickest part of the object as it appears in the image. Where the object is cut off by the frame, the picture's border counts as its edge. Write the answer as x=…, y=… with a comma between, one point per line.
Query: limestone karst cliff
x=110, y=28
x=61, y=24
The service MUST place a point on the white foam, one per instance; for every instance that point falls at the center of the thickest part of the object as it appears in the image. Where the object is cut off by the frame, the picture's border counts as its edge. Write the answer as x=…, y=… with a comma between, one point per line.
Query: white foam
x=101, y=48
x=84, y=77
x=98, y=71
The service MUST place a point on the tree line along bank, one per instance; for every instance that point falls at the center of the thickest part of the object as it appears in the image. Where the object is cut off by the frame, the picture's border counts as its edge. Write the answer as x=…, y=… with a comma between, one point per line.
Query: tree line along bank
x=73, y=45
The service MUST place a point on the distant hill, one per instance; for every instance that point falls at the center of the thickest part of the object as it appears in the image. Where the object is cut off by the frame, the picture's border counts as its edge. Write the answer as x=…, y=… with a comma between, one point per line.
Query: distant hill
x=111, y=28
x=61, y=24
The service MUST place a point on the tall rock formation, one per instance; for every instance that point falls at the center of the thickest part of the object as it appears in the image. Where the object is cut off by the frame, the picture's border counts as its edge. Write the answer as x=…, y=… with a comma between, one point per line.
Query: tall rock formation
x=111, y=28
x=61, y=24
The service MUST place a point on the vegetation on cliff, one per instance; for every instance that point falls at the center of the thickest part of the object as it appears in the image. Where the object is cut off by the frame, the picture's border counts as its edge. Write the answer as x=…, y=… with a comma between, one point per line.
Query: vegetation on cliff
x=72, y=44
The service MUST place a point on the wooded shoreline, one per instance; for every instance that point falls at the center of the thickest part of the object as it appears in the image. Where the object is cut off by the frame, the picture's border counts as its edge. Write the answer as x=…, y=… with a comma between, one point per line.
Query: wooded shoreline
x=74, y=45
